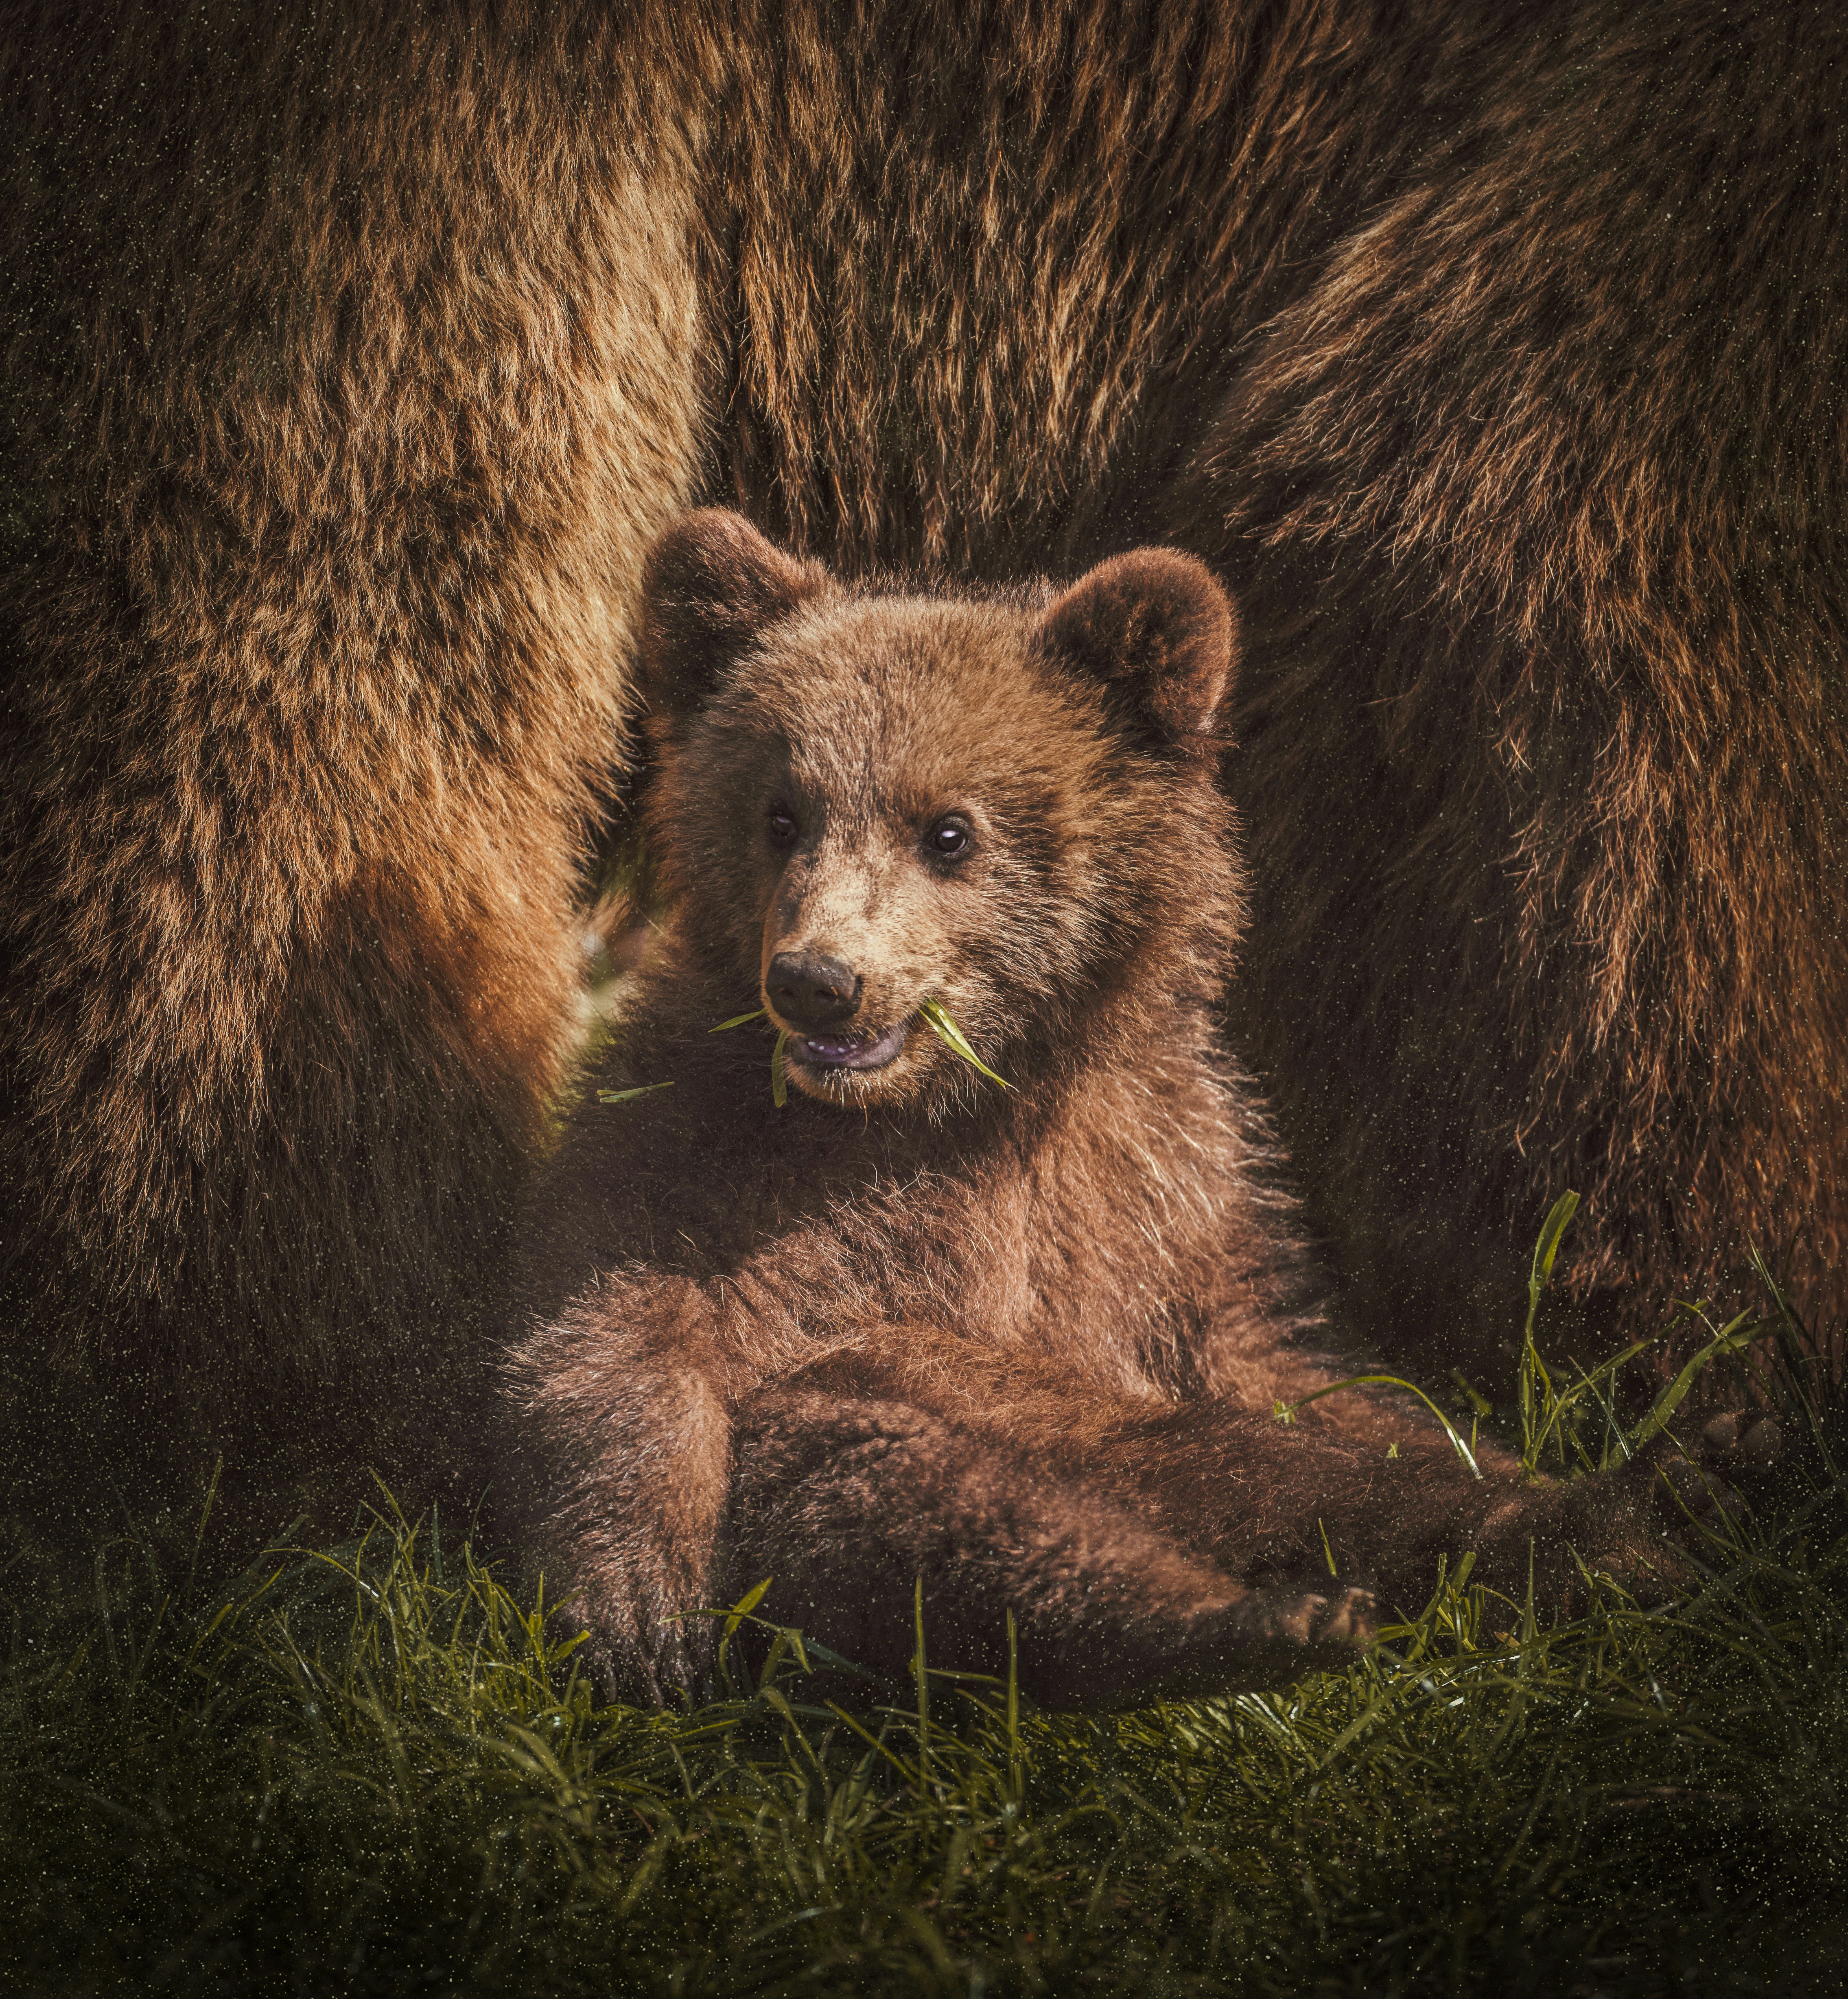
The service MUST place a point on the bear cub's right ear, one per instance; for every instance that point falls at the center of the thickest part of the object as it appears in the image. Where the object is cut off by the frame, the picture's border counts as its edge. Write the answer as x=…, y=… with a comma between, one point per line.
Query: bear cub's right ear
x=1154, y=630
x=711, y=585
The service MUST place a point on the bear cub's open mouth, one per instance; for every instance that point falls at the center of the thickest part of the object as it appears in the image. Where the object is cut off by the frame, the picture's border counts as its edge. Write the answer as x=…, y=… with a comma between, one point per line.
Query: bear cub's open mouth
x=837, y=1051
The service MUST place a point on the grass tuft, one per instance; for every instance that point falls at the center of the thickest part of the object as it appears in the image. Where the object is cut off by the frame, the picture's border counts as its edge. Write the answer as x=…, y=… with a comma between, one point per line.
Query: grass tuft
x=1564, y=1417
x=372, y=1768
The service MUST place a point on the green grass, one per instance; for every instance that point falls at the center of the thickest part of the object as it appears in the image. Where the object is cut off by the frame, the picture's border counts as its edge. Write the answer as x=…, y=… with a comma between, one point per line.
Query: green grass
x=934, y=1014
x=372, y=1769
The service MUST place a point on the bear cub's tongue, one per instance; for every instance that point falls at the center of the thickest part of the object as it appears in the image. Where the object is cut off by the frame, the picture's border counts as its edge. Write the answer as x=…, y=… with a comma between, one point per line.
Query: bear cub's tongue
x=832, y=1051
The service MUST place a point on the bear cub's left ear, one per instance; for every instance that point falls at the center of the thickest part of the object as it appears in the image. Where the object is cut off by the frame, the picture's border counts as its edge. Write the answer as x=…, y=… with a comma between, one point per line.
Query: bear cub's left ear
x=1155, y=628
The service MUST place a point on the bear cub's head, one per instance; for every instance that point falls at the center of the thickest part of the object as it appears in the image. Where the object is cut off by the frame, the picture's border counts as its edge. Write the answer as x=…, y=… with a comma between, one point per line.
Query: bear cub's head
x=866, y=800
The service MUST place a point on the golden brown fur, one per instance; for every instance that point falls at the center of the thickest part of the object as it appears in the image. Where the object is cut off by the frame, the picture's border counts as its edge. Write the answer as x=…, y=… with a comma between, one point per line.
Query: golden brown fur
x=353, y=356
x=1024, y=1342
x=342, y=420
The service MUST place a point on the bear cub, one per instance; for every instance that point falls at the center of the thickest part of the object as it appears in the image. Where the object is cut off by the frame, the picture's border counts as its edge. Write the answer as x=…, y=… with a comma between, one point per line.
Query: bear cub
x=1022, y=1340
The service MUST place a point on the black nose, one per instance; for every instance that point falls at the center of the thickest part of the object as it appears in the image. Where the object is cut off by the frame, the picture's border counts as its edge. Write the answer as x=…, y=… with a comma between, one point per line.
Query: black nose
x=811, y=991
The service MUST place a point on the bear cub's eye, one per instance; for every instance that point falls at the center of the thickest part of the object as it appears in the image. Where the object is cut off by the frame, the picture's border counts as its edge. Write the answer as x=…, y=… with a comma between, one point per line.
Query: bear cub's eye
x=949, y=839
x=783, y=828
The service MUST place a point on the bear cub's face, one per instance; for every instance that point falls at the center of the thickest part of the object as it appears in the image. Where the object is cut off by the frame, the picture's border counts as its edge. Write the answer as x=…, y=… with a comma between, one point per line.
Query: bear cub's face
x=863, y=801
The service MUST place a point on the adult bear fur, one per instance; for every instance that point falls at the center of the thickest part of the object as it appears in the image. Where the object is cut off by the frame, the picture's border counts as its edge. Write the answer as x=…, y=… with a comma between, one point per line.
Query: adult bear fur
x=1018, y=1343
x=1538, y=487
x=352, y=368
x=353, y=357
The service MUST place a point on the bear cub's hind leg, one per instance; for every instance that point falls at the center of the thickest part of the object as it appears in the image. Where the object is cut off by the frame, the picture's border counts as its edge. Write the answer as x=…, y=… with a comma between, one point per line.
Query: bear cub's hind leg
x=848, y=1501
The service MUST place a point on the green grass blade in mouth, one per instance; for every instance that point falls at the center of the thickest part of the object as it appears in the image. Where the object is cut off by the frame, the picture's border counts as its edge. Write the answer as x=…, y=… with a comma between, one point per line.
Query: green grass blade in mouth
x=629, y=1095
x=936, y=1017
x=779, y=1079
x=779, y=1074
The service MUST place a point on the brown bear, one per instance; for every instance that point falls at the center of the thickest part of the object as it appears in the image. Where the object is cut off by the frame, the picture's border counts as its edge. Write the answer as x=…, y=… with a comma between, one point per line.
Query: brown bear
x=350, y=370
x=1019, y=1330
x=353, y=355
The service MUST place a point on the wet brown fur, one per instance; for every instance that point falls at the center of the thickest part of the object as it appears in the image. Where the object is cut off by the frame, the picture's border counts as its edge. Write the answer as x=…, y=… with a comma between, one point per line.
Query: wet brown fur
x=353, y=359
x=1025, y=1343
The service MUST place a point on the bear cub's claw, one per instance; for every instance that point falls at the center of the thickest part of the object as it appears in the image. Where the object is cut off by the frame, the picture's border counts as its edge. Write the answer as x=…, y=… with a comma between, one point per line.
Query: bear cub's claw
x=1755, y=1444
x=1339, y=1623
x=1737, y=1445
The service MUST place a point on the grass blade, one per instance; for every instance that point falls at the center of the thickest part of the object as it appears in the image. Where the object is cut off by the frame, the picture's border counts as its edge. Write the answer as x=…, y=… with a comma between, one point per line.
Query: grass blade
x=936, y=1017
x=779, y=1079
x=1536, y=1383
x=1285, y=1412
x=1733, y=1338
x=629, y=1095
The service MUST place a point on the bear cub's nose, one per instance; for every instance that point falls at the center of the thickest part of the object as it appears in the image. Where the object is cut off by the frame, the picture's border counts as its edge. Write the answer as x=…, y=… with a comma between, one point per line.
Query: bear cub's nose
x=810, y=990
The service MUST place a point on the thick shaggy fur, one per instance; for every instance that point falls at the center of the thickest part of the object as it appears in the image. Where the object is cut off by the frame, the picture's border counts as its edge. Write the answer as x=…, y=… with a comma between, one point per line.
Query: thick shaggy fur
x=352, y=357
x=1024, y=1342
x=1539, y=488
x=357, y=378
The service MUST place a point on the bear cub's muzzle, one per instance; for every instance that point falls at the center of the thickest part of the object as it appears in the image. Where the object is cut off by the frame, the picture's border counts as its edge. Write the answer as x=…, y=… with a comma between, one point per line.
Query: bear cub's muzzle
x=816, y=997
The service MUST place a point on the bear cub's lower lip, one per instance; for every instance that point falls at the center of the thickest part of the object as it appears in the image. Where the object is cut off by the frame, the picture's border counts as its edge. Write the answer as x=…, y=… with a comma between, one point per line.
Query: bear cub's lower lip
x=826, y=1051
